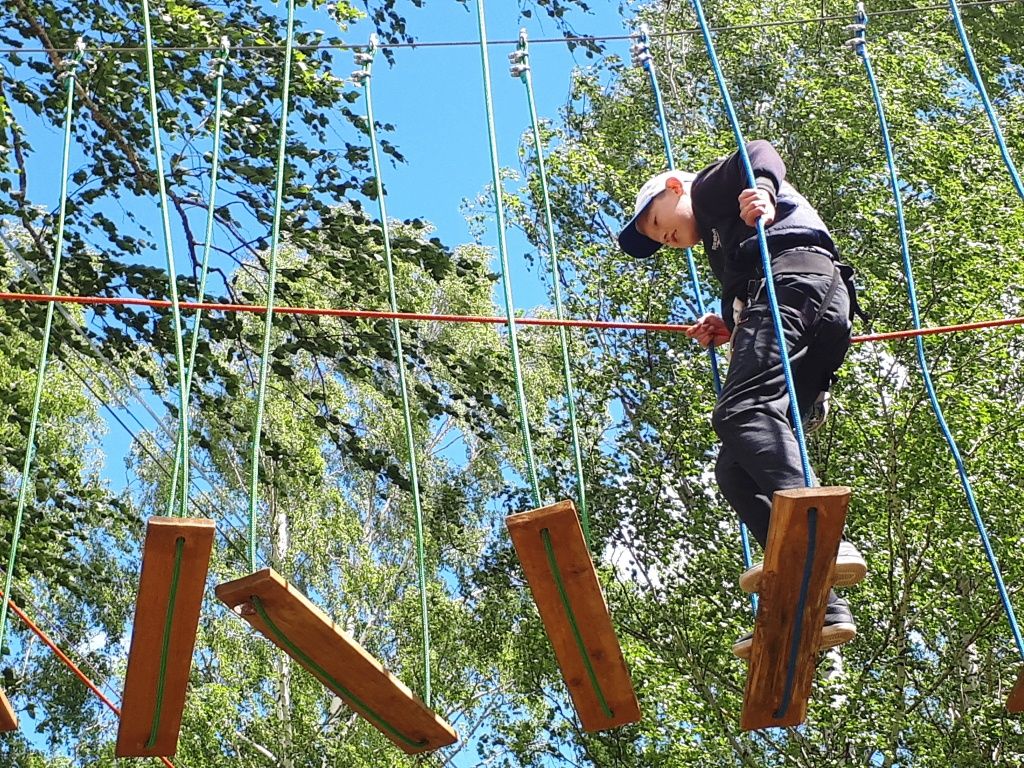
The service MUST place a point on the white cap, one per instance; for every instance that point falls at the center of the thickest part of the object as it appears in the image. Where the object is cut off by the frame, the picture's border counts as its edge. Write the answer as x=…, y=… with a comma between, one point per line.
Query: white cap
x=630, y=240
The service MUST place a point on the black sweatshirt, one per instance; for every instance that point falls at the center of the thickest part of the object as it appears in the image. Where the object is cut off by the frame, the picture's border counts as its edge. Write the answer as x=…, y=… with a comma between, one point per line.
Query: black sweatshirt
x=730, y=244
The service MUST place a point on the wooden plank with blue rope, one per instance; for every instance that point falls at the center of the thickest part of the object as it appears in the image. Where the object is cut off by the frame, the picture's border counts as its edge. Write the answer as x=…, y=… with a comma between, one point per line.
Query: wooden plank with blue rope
x=575, y=615
x=289, y=620
x=175, y=560
x=803, y=541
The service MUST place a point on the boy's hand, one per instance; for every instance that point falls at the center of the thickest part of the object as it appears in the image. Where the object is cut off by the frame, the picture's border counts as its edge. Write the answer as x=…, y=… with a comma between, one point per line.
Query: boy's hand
x=709, y=329
x=754, y=203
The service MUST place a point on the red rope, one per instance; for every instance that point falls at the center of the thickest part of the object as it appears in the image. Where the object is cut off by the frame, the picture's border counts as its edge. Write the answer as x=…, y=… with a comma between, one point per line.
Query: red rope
x=70, y=664
x=485, y=319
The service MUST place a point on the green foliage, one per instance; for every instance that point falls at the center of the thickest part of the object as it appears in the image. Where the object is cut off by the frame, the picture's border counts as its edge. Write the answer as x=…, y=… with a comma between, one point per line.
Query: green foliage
x=925, y=682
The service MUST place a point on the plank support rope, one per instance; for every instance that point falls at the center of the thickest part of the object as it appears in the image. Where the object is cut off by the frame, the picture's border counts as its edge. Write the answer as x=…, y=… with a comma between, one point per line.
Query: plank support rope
x=364, y=76
x=858, y=44
x=643, y=57
x=8, y=719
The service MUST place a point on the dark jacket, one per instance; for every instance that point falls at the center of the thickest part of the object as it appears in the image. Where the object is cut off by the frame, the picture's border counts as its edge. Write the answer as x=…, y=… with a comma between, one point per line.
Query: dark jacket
x=730, y=244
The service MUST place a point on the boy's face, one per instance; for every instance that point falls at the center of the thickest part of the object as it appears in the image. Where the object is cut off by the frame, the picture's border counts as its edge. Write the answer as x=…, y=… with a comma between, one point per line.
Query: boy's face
x=669, y=218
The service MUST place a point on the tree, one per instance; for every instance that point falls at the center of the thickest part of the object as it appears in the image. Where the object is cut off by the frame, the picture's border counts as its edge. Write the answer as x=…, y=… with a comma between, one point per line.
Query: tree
x=926, y=681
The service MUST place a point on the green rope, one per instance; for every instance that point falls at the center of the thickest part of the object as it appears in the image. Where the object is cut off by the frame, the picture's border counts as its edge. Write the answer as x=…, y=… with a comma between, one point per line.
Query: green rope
x=58, y=251
x=261, y=394
x=172, y=277
x=165, y=644
x=524, y=421
x=219, y=63
x=357, y=703
x=396, y=333
x=523, y=70
x=545, y=536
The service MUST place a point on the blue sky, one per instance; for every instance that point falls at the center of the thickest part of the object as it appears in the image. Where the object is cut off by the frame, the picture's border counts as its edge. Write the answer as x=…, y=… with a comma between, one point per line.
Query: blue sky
x=434, y=97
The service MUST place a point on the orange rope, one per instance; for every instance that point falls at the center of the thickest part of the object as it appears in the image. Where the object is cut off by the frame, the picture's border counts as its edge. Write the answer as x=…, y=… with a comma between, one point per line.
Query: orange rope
x=70, y=664
x=486, y=319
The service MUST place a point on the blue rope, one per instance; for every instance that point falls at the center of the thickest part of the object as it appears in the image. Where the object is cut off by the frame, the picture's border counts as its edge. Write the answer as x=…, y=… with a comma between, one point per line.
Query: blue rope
x=992, y=118
x=798, y=621
x=648, y=65
x=861, y=49
x=647, y=60
x=762, y=242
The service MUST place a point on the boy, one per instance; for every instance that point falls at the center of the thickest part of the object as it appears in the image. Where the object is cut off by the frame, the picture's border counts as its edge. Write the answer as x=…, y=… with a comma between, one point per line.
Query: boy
x=759, y=453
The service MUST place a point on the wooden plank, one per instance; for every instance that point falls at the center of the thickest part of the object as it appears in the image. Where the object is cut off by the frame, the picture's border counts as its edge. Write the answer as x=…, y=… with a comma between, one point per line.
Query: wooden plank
x=798, y=516
x=1015, y=702
x=141, y=698
x=308, y=635
x=561, y=526
x=8, y=720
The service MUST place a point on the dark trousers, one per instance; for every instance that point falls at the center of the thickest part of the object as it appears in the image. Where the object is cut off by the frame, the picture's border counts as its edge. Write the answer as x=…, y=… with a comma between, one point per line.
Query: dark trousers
x=759, y=453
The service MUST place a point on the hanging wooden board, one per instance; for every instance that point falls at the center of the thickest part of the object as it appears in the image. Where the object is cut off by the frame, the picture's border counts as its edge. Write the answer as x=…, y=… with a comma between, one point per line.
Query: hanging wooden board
x=290, y=621
x=803, y=540
x=177, y=550
x=1015, y=703
x=8, y=720
x=578, y=626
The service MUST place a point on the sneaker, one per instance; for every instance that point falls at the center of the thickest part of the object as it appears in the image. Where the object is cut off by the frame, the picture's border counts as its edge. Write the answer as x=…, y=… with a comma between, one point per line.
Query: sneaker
x=850, y=570
x=838, y=628
x=816, y=415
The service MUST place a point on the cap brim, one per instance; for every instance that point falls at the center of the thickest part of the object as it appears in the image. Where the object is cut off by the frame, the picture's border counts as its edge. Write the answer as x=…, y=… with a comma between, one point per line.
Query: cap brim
x=635, y=244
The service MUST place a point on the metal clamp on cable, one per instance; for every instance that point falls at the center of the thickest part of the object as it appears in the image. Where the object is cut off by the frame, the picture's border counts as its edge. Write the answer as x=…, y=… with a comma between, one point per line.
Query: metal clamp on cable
x=519, y=59
x=71, y=65
x=217, y=63
x=640, y=51
x=858, y=28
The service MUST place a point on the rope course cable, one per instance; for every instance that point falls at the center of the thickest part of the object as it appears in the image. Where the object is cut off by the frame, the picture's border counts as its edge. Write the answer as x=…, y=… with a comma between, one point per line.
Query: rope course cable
x=547, y=322
x=905, y=11
x=521, y=68
x=275, y=245
x=217, y=65
x=769, y=284
x=67, y=662
x=364, y=76
x=859, y=45
x=506, y=280
x=643, y=57
x=762, y=242
x=70, y=74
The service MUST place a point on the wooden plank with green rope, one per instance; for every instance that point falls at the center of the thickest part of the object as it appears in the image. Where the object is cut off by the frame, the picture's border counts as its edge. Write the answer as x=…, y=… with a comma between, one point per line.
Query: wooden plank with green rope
x=174, y=566
x=289, y=620
x=562, y=577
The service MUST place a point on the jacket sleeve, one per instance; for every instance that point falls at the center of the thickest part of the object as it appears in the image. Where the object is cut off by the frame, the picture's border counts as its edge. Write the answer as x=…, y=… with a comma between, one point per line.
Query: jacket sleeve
x=721, y=184
x=769, y=170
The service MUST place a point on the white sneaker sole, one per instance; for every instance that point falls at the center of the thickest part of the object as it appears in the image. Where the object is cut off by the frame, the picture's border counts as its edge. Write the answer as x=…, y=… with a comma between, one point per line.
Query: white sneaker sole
x=832, y=636
x=849, y=571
